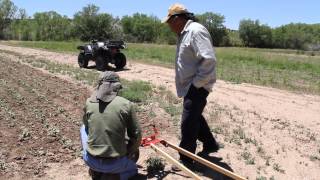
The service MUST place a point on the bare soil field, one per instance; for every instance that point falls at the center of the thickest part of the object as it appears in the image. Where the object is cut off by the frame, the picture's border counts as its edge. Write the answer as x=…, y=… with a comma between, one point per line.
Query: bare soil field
x=265, y=133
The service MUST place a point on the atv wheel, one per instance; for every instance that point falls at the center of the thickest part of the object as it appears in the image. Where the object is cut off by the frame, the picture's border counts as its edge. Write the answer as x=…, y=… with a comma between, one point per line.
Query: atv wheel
x=83, y=60
x=101, y=63
x=120, y=60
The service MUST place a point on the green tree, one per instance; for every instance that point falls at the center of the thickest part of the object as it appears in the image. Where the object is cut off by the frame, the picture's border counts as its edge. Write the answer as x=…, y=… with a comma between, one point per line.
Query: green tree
x=89, y=24
x=166, y=35
x=22, y=28
x=234, y=39
x=7, y=13
x=296, y=36
x=214, y=24
x=255, y=35
x=52, y=26
x=141, y=28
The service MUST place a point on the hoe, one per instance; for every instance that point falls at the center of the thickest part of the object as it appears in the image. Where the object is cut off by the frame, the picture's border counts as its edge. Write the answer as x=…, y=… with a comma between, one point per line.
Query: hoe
x=151, y=140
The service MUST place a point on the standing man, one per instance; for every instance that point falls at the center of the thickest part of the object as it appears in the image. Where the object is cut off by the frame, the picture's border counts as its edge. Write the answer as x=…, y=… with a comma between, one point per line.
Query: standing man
x=107, y=120
x=195, y=75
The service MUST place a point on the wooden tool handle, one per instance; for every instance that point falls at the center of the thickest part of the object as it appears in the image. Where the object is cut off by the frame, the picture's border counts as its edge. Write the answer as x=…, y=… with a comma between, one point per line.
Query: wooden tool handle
x=173, y=161
x=204, y=161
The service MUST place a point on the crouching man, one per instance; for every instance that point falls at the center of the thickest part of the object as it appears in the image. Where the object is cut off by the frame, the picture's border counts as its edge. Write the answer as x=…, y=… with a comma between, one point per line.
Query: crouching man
x=110, y=134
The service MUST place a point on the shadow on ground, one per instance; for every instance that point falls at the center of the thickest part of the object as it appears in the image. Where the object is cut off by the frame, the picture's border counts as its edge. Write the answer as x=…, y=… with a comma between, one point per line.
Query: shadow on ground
x=157, y=175
x=206, y=171
x=200, y=170
x=109, y=68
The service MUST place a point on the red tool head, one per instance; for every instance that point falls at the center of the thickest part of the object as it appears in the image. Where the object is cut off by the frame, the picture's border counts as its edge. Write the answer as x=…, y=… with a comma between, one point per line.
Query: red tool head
x=151, y=139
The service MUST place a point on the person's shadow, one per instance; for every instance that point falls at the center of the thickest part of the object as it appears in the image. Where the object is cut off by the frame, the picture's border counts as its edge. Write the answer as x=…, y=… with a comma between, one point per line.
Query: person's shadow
x=201, y=170
x=212, y=174
x=157, y=175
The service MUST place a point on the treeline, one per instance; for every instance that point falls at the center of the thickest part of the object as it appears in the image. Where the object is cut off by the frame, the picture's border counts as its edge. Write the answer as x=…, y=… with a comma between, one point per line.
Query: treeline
x=89, y=24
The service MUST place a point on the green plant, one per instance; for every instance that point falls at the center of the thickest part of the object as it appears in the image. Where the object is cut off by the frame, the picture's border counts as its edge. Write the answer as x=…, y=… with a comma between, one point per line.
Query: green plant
x=25, y=135
x=248, y=157
x=260, y=150
x=155, y=164
x=267, y=162
x=67, y=143
x=217, y=130
x=53, y=131
x=3, y=165
x=261, y=178
x=277, y=167
x=136, y=91
x=240, y=132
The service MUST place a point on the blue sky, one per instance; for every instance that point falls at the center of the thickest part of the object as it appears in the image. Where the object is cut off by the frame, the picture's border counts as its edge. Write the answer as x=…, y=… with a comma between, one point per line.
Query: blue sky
x=271, y=12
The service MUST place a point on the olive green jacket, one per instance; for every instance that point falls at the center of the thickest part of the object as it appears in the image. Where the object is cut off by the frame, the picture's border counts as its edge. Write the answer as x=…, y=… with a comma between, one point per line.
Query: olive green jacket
x=107, y=130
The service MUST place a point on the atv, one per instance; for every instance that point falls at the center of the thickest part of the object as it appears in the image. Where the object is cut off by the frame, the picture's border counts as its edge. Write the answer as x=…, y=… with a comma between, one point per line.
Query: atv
x=102, y=52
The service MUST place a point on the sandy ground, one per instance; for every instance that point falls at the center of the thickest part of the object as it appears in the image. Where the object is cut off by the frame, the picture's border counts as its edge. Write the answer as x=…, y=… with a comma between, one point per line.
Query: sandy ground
x=265, y=132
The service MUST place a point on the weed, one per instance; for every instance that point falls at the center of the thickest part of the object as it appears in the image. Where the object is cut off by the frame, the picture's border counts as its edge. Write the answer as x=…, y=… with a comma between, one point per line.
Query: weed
x=169, y=102
x=53, y=131
x=312, y=136
x=277, y=167
x=240, y=132
x=260, y=150
x=11, y=114
x=268, y=162
x=61, y=110
x=155, y=164
x=3, y=165
x=25, y=135
x=261, y=178
x=67, y=143
x=172, y=110
x=235, y=139
x=136, y=91
x=247, y=140
x=217, y=130
x=250, y=161
x=248, y=157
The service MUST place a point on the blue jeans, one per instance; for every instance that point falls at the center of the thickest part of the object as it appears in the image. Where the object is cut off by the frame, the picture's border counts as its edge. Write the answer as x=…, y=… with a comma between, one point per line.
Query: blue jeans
x=123, y=166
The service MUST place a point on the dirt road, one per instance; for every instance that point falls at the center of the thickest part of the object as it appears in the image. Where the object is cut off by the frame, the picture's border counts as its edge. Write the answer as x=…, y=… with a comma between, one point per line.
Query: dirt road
x=265, y=132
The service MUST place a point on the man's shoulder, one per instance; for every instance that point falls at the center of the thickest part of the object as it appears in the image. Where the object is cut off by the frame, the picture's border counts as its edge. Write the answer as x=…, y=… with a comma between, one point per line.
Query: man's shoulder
x=196, y=27
x=122, y=103
x=121, y=100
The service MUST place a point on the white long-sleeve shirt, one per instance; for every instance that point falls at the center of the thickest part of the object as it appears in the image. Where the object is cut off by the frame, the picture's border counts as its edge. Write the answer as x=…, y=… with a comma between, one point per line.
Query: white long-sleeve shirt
x=195, y=59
